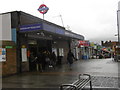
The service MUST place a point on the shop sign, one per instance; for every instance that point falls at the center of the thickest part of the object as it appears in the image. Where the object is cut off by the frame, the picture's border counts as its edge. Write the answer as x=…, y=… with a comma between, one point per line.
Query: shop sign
x=84, y=43
x=31, y=27
x=8, y=46
x=92, y=44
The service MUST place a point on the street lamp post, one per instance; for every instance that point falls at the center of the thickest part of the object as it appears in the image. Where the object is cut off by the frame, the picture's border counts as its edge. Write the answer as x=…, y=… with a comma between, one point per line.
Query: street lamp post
x=118, y=26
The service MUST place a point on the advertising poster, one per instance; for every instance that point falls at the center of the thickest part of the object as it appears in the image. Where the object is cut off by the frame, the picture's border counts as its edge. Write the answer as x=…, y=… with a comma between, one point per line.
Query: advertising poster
x=61, y=52
x=2, y=54
x=54, y=50
x=24, y=54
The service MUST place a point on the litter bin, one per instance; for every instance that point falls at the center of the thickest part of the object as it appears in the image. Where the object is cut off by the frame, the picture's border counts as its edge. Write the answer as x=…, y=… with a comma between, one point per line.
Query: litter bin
x=115, y=57
x=84, y=57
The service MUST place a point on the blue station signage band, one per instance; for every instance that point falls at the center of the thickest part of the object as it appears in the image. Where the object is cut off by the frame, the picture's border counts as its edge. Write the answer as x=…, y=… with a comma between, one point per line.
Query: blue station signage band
x=31, y=27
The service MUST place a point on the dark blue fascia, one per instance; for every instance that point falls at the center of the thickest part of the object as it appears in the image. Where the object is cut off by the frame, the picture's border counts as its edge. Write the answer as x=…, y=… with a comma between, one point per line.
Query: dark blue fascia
x=30, y=27
x=73, y=35
x=50, y=28
x=53, y=28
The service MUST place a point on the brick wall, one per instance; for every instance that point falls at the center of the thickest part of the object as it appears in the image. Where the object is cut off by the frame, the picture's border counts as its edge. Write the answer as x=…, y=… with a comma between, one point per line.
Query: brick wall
x=9, y=66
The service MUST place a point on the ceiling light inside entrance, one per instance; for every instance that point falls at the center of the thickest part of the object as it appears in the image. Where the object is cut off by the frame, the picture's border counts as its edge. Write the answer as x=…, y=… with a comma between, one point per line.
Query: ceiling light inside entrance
x=42, y=34
x=38, y=33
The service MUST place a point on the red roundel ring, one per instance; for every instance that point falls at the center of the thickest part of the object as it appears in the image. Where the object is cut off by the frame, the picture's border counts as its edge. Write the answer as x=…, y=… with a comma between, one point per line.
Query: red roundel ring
x=42, y=9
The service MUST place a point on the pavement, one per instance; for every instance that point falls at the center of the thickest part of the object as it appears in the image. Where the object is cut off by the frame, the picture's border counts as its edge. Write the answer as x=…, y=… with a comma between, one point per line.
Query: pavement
x=105, y=75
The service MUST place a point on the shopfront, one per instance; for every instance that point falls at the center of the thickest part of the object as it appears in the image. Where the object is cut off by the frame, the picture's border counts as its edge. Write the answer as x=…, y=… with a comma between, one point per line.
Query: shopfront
x=84, y=49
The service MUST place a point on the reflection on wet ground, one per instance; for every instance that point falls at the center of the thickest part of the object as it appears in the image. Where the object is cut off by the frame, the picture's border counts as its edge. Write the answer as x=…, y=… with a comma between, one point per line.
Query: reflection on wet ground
x=104, y=74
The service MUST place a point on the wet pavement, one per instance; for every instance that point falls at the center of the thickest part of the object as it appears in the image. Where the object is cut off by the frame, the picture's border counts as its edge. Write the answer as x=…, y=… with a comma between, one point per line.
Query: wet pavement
x=105, y=74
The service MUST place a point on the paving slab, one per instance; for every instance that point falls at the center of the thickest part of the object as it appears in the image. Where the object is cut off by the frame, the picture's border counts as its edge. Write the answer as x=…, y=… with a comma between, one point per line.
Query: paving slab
x=104, y=72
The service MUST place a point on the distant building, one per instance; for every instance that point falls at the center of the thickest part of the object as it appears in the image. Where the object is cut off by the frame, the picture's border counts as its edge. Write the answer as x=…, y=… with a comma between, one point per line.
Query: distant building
x=109, y=44
x=113, y=45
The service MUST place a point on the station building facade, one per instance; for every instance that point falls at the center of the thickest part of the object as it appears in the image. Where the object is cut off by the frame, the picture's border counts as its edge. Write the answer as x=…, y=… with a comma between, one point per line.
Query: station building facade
x=22, y=34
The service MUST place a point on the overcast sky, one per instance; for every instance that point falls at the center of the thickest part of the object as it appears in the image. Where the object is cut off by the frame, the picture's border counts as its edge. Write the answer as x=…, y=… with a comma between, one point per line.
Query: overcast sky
x=96, y=20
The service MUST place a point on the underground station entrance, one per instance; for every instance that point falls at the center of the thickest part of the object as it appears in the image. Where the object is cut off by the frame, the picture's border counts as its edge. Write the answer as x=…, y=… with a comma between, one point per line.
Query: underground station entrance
x=35, y=35
x=40, y=41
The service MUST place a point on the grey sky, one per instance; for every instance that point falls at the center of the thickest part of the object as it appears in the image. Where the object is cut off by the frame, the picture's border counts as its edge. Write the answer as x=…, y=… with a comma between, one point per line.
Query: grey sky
x=95, y=19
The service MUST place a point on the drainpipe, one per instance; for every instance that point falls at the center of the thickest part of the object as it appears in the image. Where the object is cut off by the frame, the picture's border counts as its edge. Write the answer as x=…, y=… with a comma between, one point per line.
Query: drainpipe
x=18, y=46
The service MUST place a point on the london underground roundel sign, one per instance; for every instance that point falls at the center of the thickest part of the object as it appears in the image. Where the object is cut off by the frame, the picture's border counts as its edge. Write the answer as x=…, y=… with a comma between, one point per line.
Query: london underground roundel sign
x=43, y=9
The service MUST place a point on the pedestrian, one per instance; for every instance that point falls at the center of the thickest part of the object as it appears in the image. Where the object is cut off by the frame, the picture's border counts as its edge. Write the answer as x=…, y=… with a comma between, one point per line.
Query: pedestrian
x=70, y=58
x=47, y=58
x=53, y=59
x=43, y=60
x=32, y=65
x=39, y=62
